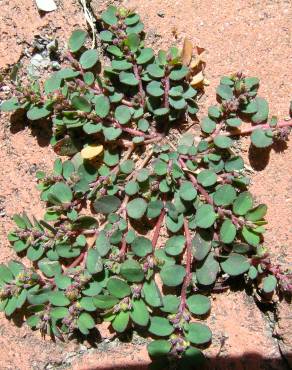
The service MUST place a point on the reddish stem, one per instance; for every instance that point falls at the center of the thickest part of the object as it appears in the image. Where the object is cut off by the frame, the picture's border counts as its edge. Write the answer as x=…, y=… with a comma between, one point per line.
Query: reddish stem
x=141, y=90
x=249, y=130
x=187, y=278
x=166, y=91
x=78, y=260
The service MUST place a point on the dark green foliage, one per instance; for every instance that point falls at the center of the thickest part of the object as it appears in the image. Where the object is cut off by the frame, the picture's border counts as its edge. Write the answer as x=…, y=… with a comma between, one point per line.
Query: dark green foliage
x=105, y=266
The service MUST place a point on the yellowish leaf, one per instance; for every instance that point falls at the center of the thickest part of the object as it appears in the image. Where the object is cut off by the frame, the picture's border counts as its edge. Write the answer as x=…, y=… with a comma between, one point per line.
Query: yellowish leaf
x=187, y=52
x=197, y=80
x=91, y=151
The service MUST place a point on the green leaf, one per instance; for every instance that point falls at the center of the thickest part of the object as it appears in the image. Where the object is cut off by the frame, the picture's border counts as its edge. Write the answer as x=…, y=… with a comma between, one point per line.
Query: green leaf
x=207, y=270
x=93, y=261
x=158, y=348
x=102, y=105
x=174, y=225
x=118, y=288
x=243, y=203
x=155, y=70
x=77, y=40
x=121, y=321
x=60, y=193
x=198, y=333
x=105, y=302
x=227, y=232
x=136, y=208
x=86, y=320
x=94, y=288
x=269, y=284
x=121, y=65
x=133, y=42
x=11, y=306
x=154, y=88
x=178, y=73
x=5, y=274
x=36, y=113
x=170, y=303
x=107, y=204
x=250, y=237
x=62, y=281
x=201, y=244
x=102, y=244
x=132, y=271
x=235, y=264
x=225, y=92
x=234, y=163
x=139, y=313
x=127, y=166
x=187, y=191
x=233, y=122
x=199, y=304
x=160, y=112
x=114, y=50
x=89, y=59
x=58, y=313
x=214, y=112
x=224, y=195
x=152, y=294
x=123, y=114
x=175, y=245
x=205, y=216
x=132, y=188
x=49, y=268
x=257, y=213
x=9, y=105
x=106, y=36
x=262, y=138
x=109, y=15
x=160, y=326
x=58, y=298
x=172, y=275
x=141, y=246
x=223, y=142
x=128, y=78
x=145, y=55
x=262, y=112
x=207, y=178
x=81, y=103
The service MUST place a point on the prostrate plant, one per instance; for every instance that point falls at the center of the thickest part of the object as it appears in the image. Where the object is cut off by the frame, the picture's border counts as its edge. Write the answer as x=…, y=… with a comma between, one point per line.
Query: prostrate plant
x=113, y=122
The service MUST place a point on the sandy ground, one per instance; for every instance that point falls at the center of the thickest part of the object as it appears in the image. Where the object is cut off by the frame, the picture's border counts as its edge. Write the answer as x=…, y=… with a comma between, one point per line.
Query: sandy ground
x=253, y=36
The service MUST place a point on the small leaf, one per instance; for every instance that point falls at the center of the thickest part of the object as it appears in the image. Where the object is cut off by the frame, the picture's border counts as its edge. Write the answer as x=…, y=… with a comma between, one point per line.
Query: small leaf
x=145, y=56
x=36, y=113
x=9, y=105
x=269, y=284
x=58, y=298
x=77, y=40
x=170, y=303
x=235, y=264
x=136, y=208
x=123, y=114
x=262, y=112
x=175, y=245
x=223, y=142
x=89, y=59
x=128, y=78
x=107, y=204
x=207, y=178
x=205, y=216
x=141, y=246
x=243, y=203
x=227, y=232
x=158, y=348
x=86, y=320
x=81, y=103
x=199, y=304
x=118, y=288
x=172, y=275
x=198, y=334
x=257, y=213
x=262, y=138
x=102, y=105
x=132, y=271
x=60, y=193
x=160, y=326
x=224, y=195
x=139, y=313
x=187, y=191
x=105, y=302
x=207, y=270
x=91, y=151
x=152, y=294
x=93, y=261
x=121, y=321
x=225, y=92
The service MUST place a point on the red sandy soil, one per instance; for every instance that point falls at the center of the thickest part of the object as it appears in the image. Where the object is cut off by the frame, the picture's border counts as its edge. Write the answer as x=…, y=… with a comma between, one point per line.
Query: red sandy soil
x=253, y=36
